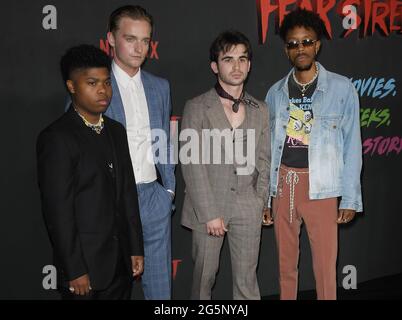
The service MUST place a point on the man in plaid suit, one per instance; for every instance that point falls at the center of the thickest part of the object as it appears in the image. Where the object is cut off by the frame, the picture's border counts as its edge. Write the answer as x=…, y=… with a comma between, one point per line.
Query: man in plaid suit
x=226, y=196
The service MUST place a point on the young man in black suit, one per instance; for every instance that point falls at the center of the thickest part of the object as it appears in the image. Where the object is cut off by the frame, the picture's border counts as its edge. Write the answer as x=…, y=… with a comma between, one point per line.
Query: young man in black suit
x=88, y=189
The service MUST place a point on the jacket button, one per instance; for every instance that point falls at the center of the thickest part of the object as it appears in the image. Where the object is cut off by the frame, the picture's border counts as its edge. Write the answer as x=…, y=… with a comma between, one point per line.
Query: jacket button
x=287, y=108
x=284, y=127
x=280, y=147
x=115, y=238
x=274, y=193
x=232, y=189
x=334, y=127
x=276, y=169
x=235, y=172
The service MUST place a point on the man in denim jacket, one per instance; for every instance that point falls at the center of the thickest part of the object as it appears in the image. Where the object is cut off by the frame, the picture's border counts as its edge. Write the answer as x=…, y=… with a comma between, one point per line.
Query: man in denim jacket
x=316, y=156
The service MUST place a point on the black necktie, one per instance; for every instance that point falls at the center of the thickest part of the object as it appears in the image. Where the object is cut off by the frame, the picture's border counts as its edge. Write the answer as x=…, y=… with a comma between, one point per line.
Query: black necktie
x=236, y=102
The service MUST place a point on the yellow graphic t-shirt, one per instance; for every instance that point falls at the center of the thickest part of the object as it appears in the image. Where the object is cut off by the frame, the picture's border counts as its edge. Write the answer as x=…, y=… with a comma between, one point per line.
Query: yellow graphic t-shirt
x=300, y=124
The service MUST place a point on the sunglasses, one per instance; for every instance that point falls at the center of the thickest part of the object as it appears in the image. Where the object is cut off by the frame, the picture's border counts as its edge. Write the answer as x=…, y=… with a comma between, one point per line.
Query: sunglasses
x=295, y=44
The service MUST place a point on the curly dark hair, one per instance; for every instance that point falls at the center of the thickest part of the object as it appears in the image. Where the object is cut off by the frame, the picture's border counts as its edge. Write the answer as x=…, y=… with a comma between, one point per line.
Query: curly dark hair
x=302, y=18
x=84, y=56
x=225, y=41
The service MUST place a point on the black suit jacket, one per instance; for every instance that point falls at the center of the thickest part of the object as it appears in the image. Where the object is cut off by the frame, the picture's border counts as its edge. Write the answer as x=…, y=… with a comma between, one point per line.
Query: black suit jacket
x=87, y=215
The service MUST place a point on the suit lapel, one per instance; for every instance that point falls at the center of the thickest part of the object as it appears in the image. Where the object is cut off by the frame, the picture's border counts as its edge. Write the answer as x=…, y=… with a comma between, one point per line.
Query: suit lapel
x=215, y=112
x=152, y=101
x=154, y=110
x=116, y=108
x=253, y=118
x=217, y=116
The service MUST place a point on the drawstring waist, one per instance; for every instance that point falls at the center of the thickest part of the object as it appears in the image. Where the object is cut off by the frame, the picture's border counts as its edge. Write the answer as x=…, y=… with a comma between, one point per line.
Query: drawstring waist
x=292, y=178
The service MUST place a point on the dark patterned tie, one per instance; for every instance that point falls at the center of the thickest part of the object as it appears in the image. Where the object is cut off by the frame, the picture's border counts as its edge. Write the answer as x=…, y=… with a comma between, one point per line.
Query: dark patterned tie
x=236, y=102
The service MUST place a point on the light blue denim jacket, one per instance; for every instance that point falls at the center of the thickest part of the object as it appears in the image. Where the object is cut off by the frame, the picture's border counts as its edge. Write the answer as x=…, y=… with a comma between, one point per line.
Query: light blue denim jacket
x=335, y=149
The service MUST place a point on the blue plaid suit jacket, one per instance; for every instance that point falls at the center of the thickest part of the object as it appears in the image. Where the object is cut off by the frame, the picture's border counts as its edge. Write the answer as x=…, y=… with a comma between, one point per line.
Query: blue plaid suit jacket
x=157, y=92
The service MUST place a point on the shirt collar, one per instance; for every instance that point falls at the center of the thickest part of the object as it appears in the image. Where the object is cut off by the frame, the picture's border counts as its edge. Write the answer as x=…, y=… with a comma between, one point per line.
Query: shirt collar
x=123, y=79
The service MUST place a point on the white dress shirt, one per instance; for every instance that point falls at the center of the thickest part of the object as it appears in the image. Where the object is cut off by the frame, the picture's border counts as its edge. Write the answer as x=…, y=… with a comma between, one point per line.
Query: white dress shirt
x=137, y=124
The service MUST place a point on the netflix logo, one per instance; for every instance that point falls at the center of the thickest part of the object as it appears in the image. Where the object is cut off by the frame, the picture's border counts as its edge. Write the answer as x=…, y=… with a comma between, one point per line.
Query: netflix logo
x=152, y=53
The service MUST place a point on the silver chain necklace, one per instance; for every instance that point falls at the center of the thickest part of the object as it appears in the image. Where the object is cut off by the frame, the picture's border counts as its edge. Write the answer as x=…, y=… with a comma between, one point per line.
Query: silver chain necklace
x=304, y=86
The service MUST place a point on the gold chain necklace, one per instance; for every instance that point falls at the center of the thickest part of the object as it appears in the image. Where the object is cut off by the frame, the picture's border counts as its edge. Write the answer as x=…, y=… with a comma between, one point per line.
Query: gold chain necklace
x=95, y=127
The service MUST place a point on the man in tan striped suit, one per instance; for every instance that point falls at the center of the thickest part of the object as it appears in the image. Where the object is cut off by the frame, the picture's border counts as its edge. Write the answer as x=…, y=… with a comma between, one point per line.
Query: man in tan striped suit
x=225, y=165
